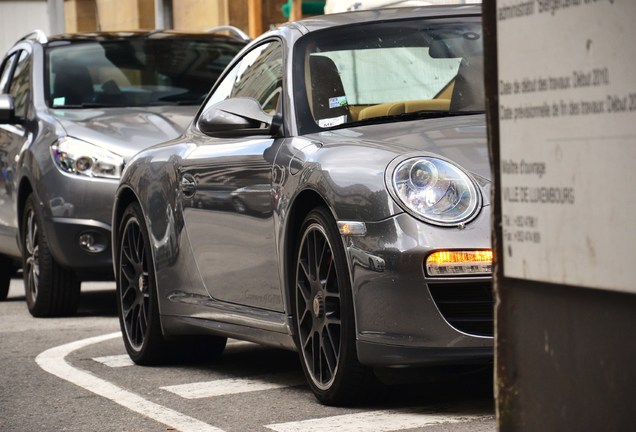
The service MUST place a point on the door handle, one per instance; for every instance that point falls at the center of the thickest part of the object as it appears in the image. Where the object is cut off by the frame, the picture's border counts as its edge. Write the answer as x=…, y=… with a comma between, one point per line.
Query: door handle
x=188, y=185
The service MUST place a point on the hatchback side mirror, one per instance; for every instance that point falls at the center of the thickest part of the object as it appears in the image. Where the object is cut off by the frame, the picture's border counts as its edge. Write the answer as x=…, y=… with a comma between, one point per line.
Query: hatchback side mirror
x=235, y=117
x=7, y=110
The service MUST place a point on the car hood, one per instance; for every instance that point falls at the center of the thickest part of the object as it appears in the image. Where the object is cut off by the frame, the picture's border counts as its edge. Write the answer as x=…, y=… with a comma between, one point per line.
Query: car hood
x=461, y=139
x=126, y=131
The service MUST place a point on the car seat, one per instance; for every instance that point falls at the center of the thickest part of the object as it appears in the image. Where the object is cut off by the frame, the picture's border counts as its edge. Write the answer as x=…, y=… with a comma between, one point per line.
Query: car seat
x=327, y=96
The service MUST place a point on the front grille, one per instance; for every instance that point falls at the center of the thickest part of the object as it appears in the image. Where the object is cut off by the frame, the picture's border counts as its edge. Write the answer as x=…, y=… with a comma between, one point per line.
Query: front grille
x=466, y=306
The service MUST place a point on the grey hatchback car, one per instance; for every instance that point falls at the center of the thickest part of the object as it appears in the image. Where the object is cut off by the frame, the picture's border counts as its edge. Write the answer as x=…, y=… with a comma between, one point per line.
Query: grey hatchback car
x=352, y=148
x=73, y=109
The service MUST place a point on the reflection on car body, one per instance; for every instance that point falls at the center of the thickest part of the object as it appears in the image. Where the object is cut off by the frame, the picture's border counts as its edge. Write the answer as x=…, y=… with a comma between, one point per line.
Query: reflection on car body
x=73, y=110
x=370, y=180
x=254, y=199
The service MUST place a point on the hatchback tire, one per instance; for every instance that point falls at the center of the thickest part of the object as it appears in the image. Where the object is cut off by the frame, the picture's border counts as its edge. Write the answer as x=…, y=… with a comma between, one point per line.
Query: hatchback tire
x=50, y=289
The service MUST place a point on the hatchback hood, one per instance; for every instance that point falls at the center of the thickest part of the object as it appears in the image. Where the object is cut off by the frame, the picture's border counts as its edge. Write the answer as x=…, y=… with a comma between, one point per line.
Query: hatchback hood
x=126, y=131
x=461, y=139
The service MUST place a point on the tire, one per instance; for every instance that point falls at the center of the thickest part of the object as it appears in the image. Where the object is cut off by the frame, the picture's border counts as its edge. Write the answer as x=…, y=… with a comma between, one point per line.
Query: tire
x=6, y=271
x=50, y=289
x=137, y=302
x=323, y=315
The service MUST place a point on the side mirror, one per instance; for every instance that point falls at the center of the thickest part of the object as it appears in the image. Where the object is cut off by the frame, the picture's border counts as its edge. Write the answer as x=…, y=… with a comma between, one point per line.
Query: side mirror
x=235, y=117
x=7, y=111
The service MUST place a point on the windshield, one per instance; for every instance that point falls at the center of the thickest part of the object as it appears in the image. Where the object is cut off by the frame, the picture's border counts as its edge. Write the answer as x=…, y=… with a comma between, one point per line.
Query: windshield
x=390, y=71
x=135, y=71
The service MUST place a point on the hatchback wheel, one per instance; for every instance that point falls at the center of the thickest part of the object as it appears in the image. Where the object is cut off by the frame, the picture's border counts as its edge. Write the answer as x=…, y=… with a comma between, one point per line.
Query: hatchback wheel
x=137, y=301
x=323, y=314
x=50, y=289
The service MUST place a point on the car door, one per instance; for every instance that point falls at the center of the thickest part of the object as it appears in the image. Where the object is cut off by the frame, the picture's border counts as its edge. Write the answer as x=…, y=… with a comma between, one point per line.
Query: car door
x=15, y=80
x=228, y=207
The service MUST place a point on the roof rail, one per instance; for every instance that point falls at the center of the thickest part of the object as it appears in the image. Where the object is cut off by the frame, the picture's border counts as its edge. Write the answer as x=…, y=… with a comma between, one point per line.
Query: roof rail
x=234, y=31
x=37, y=35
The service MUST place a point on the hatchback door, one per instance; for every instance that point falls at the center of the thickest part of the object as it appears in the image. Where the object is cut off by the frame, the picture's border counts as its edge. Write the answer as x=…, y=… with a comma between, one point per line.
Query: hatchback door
x=15, y=81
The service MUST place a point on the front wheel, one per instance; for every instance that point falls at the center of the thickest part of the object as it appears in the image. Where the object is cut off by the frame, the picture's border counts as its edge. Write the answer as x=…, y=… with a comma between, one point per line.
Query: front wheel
x=138, y=305
x=50, y=289
x=323, y=314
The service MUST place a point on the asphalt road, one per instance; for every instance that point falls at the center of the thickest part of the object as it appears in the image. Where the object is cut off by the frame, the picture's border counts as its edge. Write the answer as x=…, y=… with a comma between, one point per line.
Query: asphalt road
x=72, y=374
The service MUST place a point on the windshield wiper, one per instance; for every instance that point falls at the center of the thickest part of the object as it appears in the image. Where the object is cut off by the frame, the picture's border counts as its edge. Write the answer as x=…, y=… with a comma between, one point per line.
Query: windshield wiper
x=407, y=116
x=181, y=102
x=426, y=114
x=90, y=105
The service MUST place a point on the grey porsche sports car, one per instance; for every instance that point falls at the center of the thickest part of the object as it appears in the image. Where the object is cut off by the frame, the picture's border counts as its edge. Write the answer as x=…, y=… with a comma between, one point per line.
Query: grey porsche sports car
x=365, y=133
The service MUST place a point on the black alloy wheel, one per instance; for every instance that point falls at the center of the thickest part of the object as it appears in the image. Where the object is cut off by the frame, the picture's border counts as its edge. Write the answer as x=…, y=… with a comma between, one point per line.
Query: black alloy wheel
x=323, y=314
x=50, y=289
x=137, y=302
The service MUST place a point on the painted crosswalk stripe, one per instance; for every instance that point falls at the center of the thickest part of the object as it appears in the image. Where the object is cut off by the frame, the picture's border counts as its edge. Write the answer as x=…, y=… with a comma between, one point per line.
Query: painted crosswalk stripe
x=378, y=421
x=123, y=360
x=236, y=385
x=115, y=361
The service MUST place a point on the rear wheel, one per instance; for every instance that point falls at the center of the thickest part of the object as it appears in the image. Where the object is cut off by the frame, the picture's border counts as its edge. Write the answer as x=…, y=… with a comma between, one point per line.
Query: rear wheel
x=138, y=305
x=323, y=315
x=50, y=289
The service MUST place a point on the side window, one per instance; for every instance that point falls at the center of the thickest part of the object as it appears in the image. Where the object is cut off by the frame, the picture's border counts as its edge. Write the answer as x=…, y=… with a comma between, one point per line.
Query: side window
x=5, y=72
x=20, y=87
x=258, y=75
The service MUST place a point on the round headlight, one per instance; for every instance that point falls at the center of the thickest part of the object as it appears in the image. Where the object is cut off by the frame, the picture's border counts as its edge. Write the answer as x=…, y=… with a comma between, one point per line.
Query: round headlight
x=84, y=163
x=435, y=190
x=423, y=174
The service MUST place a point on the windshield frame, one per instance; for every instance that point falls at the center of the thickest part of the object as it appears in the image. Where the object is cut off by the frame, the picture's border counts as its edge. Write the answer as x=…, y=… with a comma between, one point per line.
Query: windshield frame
x=302, y=48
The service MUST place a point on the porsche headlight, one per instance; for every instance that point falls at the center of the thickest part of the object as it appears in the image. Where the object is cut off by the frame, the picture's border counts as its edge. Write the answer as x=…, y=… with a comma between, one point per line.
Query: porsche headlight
x=435, y=190
x=74, y=156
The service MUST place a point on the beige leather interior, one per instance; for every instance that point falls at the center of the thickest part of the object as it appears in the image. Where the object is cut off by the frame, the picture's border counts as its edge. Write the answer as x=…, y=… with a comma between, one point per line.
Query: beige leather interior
x=380, y=110
x=440, y=103
x=397, y=108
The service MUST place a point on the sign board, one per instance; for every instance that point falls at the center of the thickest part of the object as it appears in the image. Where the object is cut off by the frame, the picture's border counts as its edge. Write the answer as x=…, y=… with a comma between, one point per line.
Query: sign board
x=567, y=124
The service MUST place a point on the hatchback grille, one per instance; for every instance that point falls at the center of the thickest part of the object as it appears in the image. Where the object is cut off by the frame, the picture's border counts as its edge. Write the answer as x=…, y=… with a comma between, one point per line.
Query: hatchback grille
x=466, y=306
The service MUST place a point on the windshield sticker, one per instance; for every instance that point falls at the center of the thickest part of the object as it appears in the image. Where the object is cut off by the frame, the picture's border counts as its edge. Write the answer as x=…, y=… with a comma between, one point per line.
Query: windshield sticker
x=59, y=101
x=337, y=102
x=330, y=122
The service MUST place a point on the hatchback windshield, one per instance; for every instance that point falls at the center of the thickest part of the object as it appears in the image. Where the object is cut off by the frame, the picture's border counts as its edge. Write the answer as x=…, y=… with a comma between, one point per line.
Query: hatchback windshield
x=389, y=71
x=134, y=71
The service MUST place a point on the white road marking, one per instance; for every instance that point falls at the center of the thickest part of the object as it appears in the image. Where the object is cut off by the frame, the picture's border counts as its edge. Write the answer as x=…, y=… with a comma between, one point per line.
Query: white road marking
x=236, y=385
x=378, y=421
x=123, y=360
x=53, y=361
x=115, y=361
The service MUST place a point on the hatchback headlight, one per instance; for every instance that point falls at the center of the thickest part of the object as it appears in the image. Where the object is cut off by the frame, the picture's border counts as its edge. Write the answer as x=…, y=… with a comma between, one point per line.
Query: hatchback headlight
x=74, y=156
x=435, y=190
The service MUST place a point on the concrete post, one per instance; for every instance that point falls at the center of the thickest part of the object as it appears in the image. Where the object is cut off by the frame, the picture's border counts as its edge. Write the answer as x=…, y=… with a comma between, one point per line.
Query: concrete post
x=561, y=104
